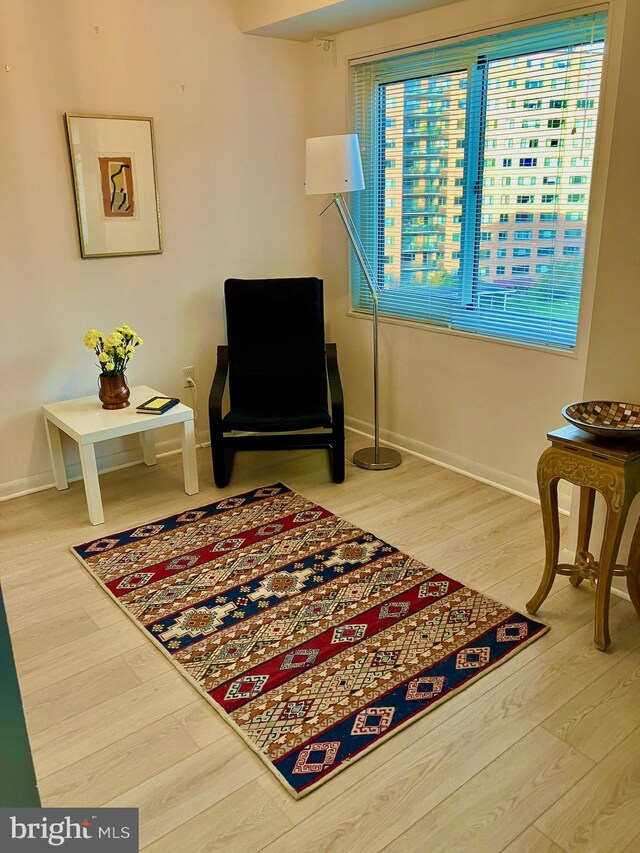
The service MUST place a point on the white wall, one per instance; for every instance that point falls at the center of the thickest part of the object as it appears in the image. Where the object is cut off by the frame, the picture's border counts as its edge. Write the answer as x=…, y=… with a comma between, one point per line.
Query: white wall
x=229, y=115
x=613, y=363
x=480, y=405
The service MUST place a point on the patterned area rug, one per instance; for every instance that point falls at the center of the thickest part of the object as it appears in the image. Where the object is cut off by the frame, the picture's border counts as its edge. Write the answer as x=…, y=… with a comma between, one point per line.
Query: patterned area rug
x=316, y=640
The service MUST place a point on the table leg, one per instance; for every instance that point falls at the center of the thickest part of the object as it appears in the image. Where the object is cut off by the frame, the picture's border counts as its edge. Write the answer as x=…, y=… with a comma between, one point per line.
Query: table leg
x=189, y=460
x=91, y=483
x=55, y=454
x=148, y=443
x=614, y=525
x=585, y=521
x=548, y=488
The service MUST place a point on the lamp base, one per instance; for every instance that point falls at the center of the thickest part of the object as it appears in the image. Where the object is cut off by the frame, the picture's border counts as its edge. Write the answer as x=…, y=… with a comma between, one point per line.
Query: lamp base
x=387, y=458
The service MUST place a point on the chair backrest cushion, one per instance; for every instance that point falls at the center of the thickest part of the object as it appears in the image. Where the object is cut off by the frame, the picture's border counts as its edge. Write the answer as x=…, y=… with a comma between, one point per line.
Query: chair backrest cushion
x=275, y=333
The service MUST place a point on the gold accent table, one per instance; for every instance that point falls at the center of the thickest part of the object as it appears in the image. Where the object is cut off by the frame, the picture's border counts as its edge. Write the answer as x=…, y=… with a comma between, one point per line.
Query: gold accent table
x=611, y=467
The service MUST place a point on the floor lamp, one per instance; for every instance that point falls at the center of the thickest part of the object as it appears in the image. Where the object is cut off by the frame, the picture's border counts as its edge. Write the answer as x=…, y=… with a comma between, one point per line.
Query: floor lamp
x=333, y=166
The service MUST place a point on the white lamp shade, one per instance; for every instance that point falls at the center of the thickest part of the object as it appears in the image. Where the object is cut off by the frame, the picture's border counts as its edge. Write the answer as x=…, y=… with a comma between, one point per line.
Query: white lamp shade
x=333, y=165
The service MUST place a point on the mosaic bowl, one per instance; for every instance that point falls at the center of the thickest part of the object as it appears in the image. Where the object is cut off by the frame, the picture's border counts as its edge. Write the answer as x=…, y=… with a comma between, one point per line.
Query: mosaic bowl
x=605, y=418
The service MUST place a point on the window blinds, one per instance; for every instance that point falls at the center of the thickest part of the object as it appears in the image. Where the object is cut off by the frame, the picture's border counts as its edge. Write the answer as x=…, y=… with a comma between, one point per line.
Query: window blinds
x=477, y=158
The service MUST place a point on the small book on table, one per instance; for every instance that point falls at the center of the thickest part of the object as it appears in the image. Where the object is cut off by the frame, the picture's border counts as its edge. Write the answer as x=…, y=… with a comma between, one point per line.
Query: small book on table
x=157, y=405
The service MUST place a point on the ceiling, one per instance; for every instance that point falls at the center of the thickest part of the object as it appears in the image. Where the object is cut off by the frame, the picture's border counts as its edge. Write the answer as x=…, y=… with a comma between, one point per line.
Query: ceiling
x=302, y=20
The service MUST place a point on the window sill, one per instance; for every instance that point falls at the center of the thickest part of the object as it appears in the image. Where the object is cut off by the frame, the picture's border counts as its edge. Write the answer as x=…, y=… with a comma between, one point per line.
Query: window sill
x=459, y=333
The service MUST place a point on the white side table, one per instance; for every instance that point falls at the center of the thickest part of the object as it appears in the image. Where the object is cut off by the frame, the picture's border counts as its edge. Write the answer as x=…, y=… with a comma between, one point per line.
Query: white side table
x=87, y=422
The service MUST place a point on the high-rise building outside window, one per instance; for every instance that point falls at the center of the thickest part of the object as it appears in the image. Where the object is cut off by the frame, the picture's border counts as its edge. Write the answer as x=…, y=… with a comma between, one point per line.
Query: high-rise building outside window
x=449, y=152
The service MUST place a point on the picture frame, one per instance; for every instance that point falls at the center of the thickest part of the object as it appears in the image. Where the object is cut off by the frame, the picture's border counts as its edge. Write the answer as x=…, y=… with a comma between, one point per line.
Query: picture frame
x=113, y=166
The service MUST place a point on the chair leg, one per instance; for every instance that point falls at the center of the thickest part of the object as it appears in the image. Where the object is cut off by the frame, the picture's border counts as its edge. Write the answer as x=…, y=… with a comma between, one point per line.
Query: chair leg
x=218, y=459
x=337, y=458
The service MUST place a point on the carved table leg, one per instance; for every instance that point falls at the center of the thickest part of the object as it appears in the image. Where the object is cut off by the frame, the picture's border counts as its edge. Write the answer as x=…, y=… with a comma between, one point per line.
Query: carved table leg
x=617, y=509
x=585, y=521
x=548, y=488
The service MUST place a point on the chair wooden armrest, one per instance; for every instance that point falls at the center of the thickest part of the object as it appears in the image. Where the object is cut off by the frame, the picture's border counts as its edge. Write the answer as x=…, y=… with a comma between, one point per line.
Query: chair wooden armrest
x=335, y=384
x=215, y=417
x=218, y=384
x=337, y=414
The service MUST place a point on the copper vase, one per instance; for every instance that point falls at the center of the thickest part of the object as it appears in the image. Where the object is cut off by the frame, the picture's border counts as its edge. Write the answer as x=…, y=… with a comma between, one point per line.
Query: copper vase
x=114, y=391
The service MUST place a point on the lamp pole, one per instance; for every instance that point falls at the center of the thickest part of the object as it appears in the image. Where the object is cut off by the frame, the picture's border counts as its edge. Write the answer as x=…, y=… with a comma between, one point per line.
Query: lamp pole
x=374, y=458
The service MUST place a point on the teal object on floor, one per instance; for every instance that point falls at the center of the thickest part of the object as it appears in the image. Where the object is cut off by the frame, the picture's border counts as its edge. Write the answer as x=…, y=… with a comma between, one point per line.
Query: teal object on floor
x=17, y=778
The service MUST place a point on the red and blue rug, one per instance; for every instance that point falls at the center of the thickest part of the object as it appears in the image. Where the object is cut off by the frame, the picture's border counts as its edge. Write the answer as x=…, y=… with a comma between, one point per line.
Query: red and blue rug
x=313, y=638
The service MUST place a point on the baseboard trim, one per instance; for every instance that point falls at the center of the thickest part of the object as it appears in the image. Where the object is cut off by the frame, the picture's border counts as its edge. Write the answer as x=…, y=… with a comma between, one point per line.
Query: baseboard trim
x=460, y=465
x=525, y=489
x=107, y=463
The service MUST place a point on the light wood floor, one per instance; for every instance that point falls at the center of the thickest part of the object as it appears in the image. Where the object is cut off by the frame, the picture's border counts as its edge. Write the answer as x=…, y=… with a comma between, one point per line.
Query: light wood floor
x=542, y=754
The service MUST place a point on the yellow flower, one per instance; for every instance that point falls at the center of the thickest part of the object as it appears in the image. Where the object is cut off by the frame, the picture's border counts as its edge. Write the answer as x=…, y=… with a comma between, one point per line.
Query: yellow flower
x=102, y=357
x=92, y=338
x=114, y=339
x=110, y=366
x=126, y=330
x=120, y=351
x=139, y=339
x=130, y=350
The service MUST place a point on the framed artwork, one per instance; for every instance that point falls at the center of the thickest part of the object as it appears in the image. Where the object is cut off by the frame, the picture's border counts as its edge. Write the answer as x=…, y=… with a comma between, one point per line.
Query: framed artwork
x=113, y=164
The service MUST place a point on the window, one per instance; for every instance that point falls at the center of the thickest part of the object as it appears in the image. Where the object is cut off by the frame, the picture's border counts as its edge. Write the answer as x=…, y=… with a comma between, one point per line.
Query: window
x=414, y=101
x=546, y=234
x=570, y=251
x=573, y=234
x=585, y=103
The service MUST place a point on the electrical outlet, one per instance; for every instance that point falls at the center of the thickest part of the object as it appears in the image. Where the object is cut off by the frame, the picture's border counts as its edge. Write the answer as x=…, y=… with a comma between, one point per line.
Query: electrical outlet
x=188, y=377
